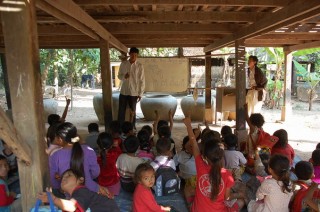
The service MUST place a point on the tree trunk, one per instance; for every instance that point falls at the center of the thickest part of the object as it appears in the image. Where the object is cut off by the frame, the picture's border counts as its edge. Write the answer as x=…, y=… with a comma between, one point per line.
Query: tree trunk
x=45, y=72
x=55, y=77
x=70, y=74
x=310, y=99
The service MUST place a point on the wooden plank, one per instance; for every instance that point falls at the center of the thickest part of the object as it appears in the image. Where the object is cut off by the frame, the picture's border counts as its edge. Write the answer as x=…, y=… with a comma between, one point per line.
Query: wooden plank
x=208, y=106
x=295, y=12
x=298, y=36
x=106, y=82
x=66, y=18
x=73, y=10
x=260, y=3
x=22, y=56
x=308, y=45
x=240, y=88
x=287, y=107
x=155, y=28
x=275, y=42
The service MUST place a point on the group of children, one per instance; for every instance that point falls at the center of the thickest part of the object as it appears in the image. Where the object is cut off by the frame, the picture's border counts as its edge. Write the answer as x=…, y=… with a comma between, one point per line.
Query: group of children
x=208, y=170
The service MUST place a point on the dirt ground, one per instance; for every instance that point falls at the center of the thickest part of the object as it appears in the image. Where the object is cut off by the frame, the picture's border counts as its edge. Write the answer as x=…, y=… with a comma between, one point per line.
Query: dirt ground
x=302, y=126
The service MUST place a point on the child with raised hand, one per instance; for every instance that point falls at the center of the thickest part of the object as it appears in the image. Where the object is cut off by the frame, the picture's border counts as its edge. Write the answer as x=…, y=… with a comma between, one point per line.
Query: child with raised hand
x=282, y=147
x=144, y=151
x=275, y=192
x=213, y=181
x=143, y=199
x=72, y=183
x=115, y=131
x=107, y=159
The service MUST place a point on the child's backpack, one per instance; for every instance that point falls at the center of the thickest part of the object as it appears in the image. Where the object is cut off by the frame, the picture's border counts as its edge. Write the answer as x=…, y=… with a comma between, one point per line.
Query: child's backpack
x=167, y=181
x=298, y=204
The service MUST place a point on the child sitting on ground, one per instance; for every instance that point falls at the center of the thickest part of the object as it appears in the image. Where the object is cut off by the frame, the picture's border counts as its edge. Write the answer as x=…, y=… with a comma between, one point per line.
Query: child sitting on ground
x=7, y=202
x=164, y=158
x=144, y=152
x=128, y=162
x=234, y=159
x=82, y=198
x=127, y=130
x=185, y=160
x=225, y=130
x=109, y=154
x=91, y=139
x=282, y=147
x=304, y=173
x=115, y=130
x=210, y=195
x=275, y=192
x=143, y=199
x=315, y=160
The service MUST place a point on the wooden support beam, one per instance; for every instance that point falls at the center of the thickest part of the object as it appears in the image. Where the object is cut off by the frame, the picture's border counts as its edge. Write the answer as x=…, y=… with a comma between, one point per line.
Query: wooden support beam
x=208, y=105
x=240, y=52
x=260, y=3
x=106, y=82
x=138, y=29
x=73, y=10
x=286, y=109
x=163, y=16
x=22, y=57
x=295, y=12
x=308, y=45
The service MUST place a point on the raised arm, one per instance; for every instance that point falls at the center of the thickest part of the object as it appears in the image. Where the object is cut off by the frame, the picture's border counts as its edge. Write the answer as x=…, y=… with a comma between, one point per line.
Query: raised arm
x=170, y=119
x=65, y=205
x=65, y=112
x=251, y=126
x=192, y=138
x=155, y=123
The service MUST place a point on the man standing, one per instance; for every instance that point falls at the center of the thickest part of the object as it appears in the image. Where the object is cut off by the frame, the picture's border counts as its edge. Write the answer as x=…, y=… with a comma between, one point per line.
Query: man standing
x=131, y=74
x=256, y=83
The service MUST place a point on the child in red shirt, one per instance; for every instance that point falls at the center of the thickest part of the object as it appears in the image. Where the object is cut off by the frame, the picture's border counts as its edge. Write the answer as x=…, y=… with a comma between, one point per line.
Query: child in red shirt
x=6, y=198
x=282, y=147
x=213, y=182
x=109, y=153
x=143, y=199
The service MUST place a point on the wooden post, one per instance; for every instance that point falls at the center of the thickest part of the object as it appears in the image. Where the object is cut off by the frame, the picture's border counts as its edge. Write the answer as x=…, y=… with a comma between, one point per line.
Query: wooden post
x=208, y=105
x=106, y=82
x=240, y=90
x=287, y=107
x=6, y=80
x=22, y=56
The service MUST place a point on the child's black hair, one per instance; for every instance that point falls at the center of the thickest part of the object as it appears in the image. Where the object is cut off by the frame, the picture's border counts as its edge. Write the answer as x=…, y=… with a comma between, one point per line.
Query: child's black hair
x=257, y=119
x=304, y=170
x=93, y=127
x=231, y=141
x=53, y=119
x=104, y=142
x=143, y=167
x=214, y=155
x=316, y=157
x=148, y=128
x=184, y=142
x=318, y=146
x=211, y=136
x=162, y=123
x=280, y=165
x=131, y=144
x=283, y=138
x=68, y=133
x=164, y=132
x=115, y=127
x=225, y=130
x=126, y=127
x=2, y=157
x=144, y=139
x=163, y=145
x=51, y=134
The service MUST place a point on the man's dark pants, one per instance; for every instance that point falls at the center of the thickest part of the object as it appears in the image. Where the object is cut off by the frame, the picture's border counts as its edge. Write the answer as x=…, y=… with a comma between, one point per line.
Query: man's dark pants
x=125, y=100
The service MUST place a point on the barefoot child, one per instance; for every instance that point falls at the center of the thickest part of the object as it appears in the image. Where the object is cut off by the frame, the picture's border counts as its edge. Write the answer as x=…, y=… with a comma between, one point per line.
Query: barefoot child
x=81, y=198
x=143, y=199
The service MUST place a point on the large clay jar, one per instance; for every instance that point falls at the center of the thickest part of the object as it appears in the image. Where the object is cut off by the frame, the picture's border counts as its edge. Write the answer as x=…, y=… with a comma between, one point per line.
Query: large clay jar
x=98, y=107
x=162, y=103
x=50, y=106
x=195, y=109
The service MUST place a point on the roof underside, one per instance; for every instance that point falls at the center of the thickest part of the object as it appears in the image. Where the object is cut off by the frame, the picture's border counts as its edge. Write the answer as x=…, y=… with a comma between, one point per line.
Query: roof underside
x=177, y=23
